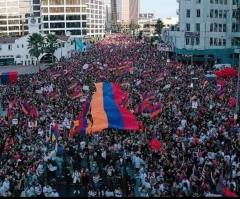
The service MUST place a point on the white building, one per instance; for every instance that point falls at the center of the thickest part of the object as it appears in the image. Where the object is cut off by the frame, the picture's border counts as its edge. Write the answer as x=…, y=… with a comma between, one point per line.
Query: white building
x=147, y=23
x=170, y=21
x=207, y=29
x=14, y=51
x=78, y=17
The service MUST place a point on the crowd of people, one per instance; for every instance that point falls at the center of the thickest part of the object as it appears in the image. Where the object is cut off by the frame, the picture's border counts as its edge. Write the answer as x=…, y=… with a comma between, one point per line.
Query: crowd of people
x=199, y=136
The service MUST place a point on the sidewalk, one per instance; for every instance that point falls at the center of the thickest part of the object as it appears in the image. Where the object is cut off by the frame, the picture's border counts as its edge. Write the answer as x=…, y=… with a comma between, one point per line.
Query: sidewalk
x=23, y=70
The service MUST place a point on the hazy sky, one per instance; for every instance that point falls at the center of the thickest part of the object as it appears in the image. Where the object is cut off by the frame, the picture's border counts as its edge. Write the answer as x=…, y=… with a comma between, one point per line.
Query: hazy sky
x=161, y=8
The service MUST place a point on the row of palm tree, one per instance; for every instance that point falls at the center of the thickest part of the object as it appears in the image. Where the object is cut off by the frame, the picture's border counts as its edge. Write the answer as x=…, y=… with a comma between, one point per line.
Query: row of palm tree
x=38, y=45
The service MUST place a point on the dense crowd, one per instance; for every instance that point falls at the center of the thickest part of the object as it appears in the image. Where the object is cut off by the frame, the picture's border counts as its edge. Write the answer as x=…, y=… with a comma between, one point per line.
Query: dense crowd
x=200, y=139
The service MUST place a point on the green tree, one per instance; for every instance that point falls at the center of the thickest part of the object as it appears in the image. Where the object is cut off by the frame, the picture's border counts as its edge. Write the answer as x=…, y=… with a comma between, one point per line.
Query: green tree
x=35, y=45
x=158, y=28
x=140, y=36
x=51, y=45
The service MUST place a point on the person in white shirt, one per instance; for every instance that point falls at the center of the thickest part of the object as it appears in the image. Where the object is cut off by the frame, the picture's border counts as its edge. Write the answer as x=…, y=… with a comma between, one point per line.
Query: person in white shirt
x=109, y=193
x=76, y=181
x=92, y=193
x=55, y=194
x=47, y=190
x=82, y=145
x=5, y=186
x=40, y=132
x=118, y=193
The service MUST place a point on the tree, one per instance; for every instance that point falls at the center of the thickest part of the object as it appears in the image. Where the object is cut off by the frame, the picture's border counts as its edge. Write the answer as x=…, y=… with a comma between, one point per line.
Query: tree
x=51, y=45
x=158, y=28
x=140, y=36
x=35, y=45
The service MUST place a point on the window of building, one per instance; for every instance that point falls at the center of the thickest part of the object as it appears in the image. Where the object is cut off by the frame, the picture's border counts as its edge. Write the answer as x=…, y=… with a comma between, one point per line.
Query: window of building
x=36, y=1
x=9, y=47
x=198, y=1
x=188, y=27
x=224, y=27
x=211, y=27
x=216, y=13
x=220, y=27
x=225, y=14
x=211, y=13
x=215, y=27
x=198, y=13
x=219, y=42
x=197, y=27
x=224, y=42
x=197, y=41
x=187, y=41
x=211, y=41
x=188, y=14
x=220, y=14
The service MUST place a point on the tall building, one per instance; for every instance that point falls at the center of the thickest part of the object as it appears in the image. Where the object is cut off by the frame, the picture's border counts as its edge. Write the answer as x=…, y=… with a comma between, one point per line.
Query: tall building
x=75, y=17
x=13, y=16
x=134, y=10
x=108, y=14
x=207, y=30
x=124, y=12
x=95, y=17
x=114, y=12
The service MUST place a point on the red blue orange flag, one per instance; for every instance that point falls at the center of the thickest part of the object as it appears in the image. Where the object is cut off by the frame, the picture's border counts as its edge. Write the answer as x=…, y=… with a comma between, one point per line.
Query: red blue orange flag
x=107, y=112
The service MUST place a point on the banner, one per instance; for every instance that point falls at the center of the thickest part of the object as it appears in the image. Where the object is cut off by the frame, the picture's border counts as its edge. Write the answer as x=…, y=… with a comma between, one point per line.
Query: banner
x=9, y=77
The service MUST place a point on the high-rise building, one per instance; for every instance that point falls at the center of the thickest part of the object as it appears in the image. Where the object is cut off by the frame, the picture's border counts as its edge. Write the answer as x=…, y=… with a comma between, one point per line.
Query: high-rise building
x=125, y=12
x=134, y=7
x=207, y=31
x=77, y=17
x=108, y=13
x=13, y=16
x=95, y=17
x=114, y=12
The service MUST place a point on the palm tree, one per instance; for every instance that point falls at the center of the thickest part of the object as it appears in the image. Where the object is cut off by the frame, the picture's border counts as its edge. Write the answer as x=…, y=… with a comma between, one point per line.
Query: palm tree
x=35, y=45
x=158, y=28
x=51, y=45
